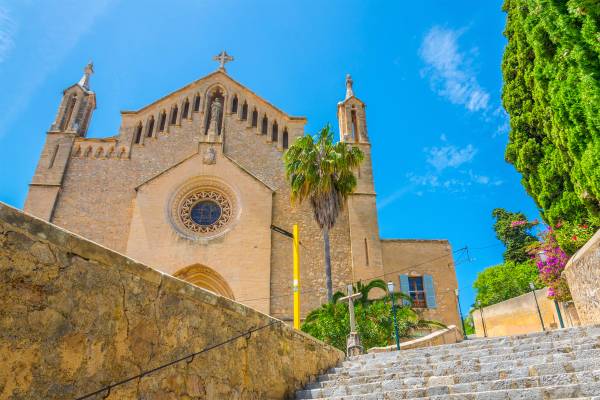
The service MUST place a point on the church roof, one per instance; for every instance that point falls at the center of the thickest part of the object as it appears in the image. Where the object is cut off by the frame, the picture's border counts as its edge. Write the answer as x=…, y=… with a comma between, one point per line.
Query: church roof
x=225, y=76
x=196, y=154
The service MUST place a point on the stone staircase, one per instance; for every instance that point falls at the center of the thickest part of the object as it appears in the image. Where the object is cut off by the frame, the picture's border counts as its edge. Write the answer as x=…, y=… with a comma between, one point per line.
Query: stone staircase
x=562, y=364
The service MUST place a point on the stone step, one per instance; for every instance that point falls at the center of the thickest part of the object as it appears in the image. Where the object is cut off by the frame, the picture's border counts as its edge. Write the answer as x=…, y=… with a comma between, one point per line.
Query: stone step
x=473, y=362
x=423, y=378
x=452, y=368
x=407, y=390
x=504, y=341
x=400, y=356
x=574, y=391
x=541, y=366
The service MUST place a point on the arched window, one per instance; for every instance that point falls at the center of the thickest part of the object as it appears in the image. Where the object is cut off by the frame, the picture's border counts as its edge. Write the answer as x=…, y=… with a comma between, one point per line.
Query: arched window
x=68, y=112
x=174, y=115
x=162, y=121
x=186, y=109
x=197, y=103
x=274, y=131
x=234, y=104
x=354, y=125
x=245, y=111
x=264, y=125
x=284, y=138
x=254, y=119
x=150, y=127
x=138, y=133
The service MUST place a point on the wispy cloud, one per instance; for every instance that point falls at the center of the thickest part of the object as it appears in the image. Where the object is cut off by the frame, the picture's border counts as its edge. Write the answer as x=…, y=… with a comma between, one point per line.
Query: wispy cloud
x=449, y=71
x=55, y=42
x=387, y=200
x=449, y=156
x=7, y=31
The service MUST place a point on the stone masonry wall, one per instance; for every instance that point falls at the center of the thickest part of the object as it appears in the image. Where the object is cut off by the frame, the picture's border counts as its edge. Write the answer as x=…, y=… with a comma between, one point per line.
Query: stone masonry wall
x=519, y=315
x=583, y=276
x=75, y=316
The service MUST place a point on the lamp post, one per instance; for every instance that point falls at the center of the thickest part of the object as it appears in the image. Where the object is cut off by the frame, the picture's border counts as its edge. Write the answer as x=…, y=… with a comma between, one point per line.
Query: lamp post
x=543, y=258
x=390, y=286
x=532, y=287
x=482, y=320
x=462, y=321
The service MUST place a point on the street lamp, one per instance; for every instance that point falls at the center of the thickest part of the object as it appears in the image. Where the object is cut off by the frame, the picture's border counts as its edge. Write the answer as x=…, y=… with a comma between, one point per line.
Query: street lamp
x=462, y=321
x=532, y=287
x=482, y=320
x=390, y=286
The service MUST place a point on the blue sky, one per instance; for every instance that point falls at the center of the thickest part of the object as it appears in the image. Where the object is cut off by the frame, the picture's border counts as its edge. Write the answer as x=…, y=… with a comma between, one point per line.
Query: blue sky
x=429, y=72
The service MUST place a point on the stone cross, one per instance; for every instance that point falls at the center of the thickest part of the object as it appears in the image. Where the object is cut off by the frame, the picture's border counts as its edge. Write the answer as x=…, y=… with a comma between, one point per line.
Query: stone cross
x=222, y=58
x=353, y=347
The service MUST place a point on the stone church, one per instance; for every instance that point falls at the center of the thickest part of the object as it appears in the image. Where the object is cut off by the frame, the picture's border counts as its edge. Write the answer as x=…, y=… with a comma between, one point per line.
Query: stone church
x=193, y=185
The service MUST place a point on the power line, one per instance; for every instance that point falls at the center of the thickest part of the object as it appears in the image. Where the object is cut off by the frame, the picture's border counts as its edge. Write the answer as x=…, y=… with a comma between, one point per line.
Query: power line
x=343, y=286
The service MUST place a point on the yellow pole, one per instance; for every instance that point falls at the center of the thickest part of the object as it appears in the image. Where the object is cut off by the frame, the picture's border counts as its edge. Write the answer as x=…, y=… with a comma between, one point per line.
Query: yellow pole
x=296, y=278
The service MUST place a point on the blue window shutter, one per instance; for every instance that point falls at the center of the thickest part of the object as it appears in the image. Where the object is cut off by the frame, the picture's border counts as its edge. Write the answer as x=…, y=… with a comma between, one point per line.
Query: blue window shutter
x=404, y=288
x=429, y=291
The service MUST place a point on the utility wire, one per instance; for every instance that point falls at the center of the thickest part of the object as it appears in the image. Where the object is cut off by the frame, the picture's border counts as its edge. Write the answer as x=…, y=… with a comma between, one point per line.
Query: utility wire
x=188, y=358
x=343, y=286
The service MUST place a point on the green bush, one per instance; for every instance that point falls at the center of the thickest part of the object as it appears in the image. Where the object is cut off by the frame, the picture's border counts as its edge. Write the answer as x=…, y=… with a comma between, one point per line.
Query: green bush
x=551, y=70
x=505, y=281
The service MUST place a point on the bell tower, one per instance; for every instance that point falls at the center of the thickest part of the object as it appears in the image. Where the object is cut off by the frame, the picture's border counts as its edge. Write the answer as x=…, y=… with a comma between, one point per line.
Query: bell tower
x=367, y=259
x=72, y=121
x=77, y=105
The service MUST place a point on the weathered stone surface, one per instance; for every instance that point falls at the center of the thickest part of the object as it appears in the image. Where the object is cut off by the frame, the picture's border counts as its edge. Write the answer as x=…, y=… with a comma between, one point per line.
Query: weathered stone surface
x=551, y=365
x=75, y=317
x=583, y=276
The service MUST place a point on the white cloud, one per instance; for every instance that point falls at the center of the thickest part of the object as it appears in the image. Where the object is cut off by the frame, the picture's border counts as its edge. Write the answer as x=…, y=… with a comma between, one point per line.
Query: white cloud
x=449, y=71
x=7, y=31
x=449, y=156
x=55, y=42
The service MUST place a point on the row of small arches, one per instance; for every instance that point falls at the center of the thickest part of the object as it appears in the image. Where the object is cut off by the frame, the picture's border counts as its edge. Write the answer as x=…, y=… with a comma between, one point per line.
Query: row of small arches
x=152, y=127
x=99, y=152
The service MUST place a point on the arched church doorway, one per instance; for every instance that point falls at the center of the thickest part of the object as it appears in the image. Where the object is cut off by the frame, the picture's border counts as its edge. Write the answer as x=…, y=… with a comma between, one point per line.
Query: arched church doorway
x=205, y=278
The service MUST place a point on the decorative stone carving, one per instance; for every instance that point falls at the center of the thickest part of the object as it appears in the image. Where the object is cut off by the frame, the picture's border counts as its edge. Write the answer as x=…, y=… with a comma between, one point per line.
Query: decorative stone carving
x=203, y=209
x=215, y=116
x=187, y=205
x=210, y=156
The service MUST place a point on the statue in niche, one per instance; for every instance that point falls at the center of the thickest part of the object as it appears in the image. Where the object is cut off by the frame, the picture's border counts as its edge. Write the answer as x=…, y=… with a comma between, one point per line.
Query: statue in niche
x=215, y=116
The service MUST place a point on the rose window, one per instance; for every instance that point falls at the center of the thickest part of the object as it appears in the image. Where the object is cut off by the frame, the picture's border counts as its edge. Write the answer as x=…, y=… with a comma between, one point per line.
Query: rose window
x=205, y=211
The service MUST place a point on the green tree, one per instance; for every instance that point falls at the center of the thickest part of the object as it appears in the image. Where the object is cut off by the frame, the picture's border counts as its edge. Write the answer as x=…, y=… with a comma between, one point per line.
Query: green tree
x=513, y=229
x=505, y=281
x=331, y=323
x=322, y=172
x=551, y=70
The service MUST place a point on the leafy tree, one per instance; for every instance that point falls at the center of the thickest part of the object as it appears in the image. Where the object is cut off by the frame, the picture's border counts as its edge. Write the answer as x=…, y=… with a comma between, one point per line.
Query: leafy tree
x=322, y=172
x=331, y=323
x=469, y=325
x=513, y=229
x=551, y=70
x=505, y=281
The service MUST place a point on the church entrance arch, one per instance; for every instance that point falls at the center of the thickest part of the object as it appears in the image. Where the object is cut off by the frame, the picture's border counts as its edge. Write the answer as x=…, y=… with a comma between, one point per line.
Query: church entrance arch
x=206, y=278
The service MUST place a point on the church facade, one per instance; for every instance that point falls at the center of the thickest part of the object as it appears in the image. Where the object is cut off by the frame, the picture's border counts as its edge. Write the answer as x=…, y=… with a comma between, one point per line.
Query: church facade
x=194, y=186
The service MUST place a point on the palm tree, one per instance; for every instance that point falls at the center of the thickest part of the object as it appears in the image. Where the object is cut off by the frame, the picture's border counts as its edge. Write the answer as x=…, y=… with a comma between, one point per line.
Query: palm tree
x=322, y=172
x=364, y=290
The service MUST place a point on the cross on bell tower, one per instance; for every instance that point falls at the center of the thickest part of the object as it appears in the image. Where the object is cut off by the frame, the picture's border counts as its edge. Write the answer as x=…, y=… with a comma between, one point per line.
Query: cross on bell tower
x=222, y=58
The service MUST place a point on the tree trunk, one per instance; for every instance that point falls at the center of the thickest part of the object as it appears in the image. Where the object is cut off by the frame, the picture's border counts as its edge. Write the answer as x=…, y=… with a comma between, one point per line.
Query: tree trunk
x=327, y=265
